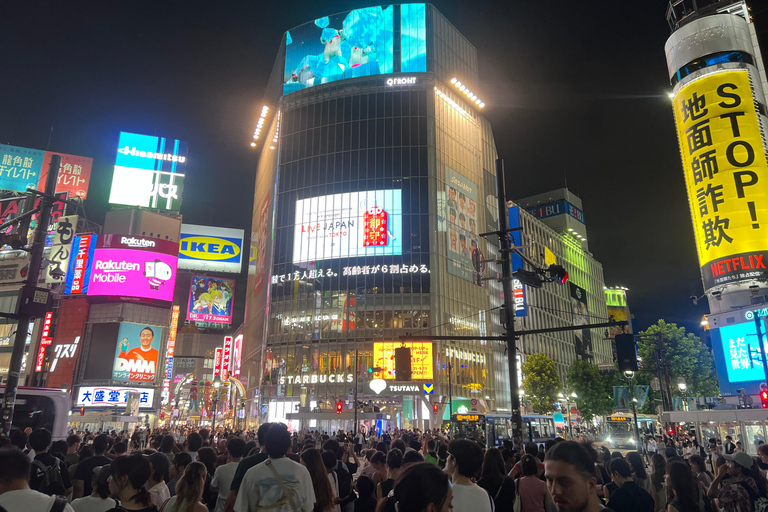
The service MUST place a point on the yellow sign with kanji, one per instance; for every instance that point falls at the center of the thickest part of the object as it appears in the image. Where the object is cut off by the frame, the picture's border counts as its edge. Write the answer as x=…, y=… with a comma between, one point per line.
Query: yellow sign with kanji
x=421, y=359
x=726, y=175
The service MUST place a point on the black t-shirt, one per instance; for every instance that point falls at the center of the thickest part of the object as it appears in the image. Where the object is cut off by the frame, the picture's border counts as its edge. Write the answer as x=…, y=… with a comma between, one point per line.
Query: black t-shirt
x=502, y=491
x=631, y=498
x=85, y=469
x=150, y=508
x=37, y=474
x=243, y=467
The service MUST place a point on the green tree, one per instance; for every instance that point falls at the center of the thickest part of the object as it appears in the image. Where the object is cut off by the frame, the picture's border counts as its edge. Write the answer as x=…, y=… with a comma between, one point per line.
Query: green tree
x=541, y=382
x=594, y=391
x=686, y=356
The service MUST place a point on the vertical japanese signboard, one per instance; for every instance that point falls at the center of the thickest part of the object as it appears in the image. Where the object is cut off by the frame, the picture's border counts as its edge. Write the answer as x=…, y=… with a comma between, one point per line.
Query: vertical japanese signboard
x=226, y=357
x=61, y=249
x=79, y=273
x=217, y=362
x=169, y=354
x=726, y=175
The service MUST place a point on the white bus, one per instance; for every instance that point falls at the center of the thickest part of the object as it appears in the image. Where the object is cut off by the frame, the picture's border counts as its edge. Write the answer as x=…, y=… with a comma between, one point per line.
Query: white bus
x=41, y=407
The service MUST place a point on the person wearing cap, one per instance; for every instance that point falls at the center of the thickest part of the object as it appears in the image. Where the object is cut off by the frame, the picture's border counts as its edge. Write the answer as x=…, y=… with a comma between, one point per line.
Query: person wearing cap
x=99, y=500
x=156, y=484
x=737, y=488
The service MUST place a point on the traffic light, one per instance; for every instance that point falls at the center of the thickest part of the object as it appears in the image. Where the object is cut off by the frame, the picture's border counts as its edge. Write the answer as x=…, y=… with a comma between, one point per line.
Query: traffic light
x=434, y=407
x=764, y=396
x=626, y=352
x=374, y=369
x=82, y=411
x=557, y=273
x=339, y=407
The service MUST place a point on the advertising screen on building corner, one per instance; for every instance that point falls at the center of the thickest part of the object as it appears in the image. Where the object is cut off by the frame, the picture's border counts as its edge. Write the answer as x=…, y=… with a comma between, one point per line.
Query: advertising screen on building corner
x=137, y=353
x=133, y=267
x=210, y=299
x=741, y=351
x=726, y=175
x=348, y=225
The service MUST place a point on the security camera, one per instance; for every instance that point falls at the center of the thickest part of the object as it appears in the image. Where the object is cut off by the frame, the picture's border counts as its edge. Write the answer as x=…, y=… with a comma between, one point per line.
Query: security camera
x=695, y=300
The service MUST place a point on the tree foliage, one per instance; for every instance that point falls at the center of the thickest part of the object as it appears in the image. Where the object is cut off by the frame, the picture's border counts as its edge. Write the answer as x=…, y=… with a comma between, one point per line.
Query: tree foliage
x=541, y=382
x=685, y=355
x=594, y=391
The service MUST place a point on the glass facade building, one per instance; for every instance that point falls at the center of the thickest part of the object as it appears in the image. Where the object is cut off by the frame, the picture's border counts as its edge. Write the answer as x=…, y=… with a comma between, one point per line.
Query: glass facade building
x=375, y=178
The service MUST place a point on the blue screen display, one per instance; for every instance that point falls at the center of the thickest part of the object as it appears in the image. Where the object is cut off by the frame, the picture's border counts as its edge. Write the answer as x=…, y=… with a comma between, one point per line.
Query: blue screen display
x=741, y=351
x=347, y=45
x=413, y=38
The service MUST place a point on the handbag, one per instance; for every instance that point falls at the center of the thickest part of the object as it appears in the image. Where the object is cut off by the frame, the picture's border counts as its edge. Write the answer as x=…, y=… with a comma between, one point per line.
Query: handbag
x=518, y=505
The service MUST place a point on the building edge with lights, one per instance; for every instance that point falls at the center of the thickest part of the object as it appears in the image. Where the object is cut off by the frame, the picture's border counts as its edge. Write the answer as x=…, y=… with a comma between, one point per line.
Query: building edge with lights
x=407, y=133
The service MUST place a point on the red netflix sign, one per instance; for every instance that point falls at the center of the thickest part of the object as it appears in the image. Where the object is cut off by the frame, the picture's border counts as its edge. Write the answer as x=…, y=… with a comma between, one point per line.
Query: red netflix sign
x=734, y=268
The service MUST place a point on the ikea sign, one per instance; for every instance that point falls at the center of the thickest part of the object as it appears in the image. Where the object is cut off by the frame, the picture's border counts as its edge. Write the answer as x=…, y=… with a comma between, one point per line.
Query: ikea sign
x=210, y=248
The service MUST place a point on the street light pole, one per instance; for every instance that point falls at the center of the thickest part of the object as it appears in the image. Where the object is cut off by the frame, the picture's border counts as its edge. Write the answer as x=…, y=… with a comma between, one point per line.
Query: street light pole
x=215, y=402
x=630, y=375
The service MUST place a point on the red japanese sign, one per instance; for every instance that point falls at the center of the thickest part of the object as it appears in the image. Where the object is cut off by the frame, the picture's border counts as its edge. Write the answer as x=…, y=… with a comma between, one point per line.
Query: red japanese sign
x=375, y=225
x=217, y=362
x=226, y=357
x=45, y=337
x=40, y=359
x=74, y=175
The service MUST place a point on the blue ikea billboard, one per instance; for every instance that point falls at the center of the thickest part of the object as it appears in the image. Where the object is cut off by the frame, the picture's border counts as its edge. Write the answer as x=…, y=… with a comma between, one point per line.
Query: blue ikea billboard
x=211, y=249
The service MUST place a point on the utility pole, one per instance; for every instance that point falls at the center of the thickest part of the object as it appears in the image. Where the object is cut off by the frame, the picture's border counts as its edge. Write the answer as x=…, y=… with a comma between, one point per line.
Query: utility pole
x=28, y=294
x=759, y=327
x=450, y=392
x=509, y=310
x=640, y=445
x=357, y=371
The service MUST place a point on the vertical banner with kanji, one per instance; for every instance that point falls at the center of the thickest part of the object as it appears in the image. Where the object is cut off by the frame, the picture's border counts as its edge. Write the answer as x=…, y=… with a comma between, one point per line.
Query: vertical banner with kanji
x=726, y=175
x=79, y=272
x=61, y=249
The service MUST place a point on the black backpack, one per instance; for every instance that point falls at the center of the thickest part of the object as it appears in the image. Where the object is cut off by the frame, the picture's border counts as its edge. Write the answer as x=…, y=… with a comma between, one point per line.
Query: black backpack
x=49, y=480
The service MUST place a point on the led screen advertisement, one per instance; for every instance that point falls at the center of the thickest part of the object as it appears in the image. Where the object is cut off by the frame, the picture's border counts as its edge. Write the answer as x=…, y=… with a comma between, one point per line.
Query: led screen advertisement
x=210, y=300
x=348, y=225
x=137, y=353
x=132, y=267
x=74, y=174
x=726, y=175
x=346, y=45
x=461, y=215
x=580, y=311
x=210, y=248
x=149, y=172
x=741, y=352
x=421, y=360
x=413, y=38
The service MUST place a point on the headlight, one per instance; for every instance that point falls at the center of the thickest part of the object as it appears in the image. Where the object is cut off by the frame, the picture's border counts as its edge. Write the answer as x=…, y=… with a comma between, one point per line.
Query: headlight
x=633, y=441
x=608, y=439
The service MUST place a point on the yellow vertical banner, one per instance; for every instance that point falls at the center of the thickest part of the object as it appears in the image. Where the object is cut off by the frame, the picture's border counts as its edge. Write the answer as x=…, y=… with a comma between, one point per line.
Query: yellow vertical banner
x=726, y=175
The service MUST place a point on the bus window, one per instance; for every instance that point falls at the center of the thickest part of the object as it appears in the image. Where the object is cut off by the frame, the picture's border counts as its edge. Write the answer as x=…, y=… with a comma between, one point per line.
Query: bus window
x=34, y=412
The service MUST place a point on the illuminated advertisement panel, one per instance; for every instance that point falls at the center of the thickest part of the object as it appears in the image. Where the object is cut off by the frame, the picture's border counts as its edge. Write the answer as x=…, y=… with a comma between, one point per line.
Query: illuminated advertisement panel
x=346, y=45
x=413, y=38
x=137, y=353
x=580, y=312
x=226, y=357
x=461, y=214
x=74, y=174
x=210, y=248
x=237, y=355
x=726, y=175
x=211, y=299
x=348, y=225
x=741, y=351
x=421, y=360
x=99, y=396
x=217, y=362
x=20, y=167
x=79, y=272
x=134, y=267
x=149, y=171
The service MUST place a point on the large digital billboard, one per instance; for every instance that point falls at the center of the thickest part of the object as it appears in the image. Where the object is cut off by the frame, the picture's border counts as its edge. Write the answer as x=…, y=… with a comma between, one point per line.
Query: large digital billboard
x=461, y=215
x=421, y=359
x=348, y=225
x=74, y=174
x=724, y=161
x=137, y=353
x=210, y=249
x=210, y=300
x=741, y=352
x=346, y=45
x=20, y=167
x=149, y=172
x=413, y=38
x=132, y=267
x=580, y=311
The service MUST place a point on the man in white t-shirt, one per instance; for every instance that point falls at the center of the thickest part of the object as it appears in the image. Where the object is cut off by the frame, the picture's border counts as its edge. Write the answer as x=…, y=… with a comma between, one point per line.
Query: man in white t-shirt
x=15, y=493
x=222, y=479
x=278, y=483
x=465, y=458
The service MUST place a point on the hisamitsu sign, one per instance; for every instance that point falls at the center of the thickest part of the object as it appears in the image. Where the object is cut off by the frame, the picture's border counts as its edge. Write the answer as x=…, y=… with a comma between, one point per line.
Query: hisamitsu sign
x=726, y=175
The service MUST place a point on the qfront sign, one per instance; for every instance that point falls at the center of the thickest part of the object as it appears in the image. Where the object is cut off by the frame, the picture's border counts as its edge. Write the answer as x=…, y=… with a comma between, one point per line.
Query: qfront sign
x=211, y=249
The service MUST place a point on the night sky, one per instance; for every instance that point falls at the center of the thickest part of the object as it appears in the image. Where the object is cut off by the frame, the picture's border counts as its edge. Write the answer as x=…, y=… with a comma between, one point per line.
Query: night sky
x=575, y=91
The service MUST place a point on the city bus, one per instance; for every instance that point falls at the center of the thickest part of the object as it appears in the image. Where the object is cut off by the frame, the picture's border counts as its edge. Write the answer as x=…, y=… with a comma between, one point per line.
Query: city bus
x=40, y=407
x=621, y=433
x=497, y=428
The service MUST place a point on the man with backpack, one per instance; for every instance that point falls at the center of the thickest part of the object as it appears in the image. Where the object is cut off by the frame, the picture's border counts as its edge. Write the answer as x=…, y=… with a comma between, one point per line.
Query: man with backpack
x=15, y=493
x=49, y=474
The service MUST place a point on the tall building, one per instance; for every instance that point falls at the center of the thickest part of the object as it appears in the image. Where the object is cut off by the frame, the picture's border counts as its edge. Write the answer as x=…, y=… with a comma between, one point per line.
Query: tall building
x=376, y=177
x=717, y=70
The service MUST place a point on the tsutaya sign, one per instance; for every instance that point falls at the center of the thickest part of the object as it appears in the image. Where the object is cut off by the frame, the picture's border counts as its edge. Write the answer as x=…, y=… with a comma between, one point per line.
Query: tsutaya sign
x=381, y=386
x=337, y=378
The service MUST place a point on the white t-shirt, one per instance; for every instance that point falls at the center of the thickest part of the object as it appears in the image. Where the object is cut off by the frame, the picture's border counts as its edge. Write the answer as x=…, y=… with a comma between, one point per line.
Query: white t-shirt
x=260, y=488
x=222, y=480
x=27, y=500
x=160, y=493
x=471, y=498
x=93, y=504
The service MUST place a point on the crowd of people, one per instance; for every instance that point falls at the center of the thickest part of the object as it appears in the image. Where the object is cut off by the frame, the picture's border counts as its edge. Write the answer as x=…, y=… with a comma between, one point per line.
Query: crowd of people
x=397, y=471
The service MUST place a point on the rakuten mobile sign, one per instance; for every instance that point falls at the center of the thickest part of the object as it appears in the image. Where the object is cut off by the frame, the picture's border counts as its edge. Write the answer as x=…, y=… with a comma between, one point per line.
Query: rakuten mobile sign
x=140, y=273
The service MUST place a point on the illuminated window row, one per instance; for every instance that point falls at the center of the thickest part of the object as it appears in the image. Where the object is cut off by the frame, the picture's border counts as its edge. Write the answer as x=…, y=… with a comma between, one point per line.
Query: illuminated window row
x=469, y=94
x=452, y=103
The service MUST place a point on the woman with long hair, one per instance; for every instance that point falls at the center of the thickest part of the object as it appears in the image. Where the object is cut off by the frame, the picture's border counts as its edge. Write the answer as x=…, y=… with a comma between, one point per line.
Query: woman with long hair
x=312, y=459
x=492, y=479
x=658, y=478
x=189, y=491
x=394, y=462
x=638, y=471
x=416, y=488
x=699, y=470
x=683, y=487
x=128, y=474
